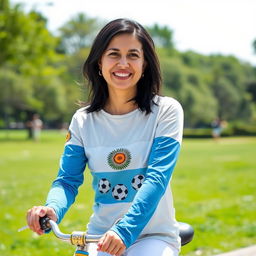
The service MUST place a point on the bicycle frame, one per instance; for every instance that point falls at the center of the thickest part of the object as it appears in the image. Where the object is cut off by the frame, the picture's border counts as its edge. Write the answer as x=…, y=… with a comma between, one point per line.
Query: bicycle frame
x=80, y=253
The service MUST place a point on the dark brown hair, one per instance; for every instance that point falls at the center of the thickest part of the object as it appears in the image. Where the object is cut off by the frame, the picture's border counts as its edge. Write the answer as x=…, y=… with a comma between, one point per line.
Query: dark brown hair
x=148, y=86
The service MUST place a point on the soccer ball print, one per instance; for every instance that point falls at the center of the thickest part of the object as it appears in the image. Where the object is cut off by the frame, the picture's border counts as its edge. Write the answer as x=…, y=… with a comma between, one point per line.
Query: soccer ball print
x=104, y=186
x=137, y=181
x=120, y=192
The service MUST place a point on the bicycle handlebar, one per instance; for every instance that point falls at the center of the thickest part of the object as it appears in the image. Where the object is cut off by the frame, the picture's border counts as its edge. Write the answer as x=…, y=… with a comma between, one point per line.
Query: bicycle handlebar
x=78, y=238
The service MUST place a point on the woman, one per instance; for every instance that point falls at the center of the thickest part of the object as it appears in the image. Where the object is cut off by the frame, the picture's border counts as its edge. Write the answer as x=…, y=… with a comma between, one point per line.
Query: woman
x=130, y=138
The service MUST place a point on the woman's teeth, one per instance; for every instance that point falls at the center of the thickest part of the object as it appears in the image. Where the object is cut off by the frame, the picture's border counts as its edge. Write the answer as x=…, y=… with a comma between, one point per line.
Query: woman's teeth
x=122, y=74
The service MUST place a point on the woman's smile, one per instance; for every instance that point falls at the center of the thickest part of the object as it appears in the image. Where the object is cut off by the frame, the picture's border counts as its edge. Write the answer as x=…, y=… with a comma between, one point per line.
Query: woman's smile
x=123, y=75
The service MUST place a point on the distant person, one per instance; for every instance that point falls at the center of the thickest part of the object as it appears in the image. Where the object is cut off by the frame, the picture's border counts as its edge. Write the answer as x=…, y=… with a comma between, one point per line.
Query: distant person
x=130, y=137
x=217, y=127
x=36, y=125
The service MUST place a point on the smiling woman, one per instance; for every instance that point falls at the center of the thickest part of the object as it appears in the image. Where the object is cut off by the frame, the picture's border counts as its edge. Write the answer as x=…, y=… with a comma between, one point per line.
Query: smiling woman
x=122, y=66
x=130, y=138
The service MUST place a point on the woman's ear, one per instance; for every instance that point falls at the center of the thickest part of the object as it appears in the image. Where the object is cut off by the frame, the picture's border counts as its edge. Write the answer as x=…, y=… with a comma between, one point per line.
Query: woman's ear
x=100, y=66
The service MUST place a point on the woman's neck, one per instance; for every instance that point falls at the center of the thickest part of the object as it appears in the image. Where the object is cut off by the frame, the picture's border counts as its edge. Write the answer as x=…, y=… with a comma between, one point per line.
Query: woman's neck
x=119, y=104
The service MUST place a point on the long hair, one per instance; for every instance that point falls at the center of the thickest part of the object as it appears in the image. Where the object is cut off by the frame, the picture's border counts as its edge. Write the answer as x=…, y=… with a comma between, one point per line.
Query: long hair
x=147, y=87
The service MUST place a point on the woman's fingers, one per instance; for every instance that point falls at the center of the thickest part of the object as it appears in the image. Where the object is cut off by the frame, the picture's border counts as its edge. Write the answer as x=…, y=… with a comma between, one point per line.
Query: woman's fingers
x=104, y=243
x=32, y=218
x=111, y=243
x=35, y=213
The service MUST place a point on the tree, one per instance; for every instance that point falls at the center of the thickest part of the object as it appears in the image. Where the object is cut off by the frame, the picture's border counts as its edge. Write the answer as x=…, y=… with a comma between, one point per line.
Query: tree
x=15, y=96
x=228, y=99
x=25, y=41
x=50, y=92
x=28, y=60
x=229, y=85
x=189, y=86
x=77, y=33
x=162, y=36
x=252, y=90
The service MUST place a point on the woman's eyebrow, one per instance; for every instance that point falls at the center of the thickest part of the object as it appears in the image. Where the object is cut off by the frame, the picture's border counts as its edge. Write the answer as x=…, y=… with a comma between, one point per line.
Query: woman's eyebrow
x=131, y=50
x=135, y=50
x=113, y=49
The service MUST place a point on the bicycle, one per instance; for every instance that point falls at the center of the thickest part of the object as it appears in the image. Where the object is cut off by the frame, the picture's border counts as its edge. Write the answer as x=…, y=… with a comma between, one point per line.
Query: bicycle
x=81, y=239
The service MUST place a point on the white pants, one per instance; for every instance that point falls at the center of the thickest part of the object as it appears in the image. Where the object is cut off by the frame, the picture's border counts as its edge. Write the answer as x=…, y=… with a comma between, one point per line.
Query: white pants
x=145, y=247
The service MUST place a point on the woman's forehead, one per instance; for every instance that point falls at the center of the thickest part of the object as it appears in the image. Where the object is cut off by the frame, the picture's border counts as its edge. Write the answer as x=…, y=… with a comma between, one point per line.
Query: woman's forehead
x=127, y=41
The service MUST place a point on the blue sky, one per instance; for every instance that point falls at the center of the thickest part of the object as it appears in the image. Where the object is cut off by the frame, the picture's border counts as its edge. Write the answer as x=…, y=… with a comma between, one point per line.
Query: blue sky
x=205, y=26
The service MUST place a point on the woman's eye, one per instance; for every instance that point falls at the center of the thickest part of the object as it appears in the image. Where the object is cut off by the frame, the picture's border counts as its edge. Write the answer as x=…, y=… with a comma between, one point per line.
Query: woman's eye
x=133, y=55
x=113, y=54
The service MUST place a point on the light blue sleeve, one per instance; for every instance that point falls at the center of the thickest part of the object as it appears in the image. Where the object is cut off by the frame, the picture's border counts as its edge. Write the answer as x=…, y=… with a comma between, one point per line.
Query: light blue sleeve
x=70, y=176
x=71, y=172
x=161, y=163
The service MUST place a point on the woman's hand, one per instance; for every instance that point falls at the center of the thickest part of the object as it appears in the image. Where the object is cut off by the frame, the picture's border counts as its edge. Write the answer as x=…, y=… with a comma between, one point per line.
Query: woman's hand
x=35, y=213
x=111, y=243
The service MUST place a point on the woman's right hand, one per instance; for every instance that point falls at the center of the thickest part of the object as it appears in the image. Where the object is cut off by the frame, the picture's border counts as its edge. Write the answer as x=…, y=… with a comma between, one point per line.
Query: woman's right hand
x=35, y=213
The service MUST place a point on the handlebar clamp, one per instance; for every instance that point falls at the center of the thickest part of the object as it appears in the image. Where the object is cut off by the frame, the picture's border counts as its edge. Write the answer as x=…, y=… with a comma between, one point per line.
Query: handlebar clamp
x=78, y=238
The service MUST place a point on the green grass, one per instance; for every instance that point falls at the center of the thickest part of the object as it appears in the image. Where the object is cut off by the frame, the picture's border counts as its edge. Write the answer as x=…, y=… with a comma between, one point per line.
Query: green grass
x=213, y=187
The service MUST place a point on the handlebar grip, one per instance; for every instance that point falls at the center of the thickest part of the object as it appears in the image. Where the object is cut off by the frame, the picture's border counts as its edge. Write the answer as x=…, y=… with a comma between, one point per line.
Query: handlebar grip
x=44, y=223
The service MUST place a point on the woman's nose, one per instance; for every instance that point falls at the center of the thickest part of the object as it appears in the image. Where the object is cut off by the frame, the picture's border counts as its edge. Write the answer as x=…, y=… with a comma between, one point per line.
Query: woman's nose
x=123, y=62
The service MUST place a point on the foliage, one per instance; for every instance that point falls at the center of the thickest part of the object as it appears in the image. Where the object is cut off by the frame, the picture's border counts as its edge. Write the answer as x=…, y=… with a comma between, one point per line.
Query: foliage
x=229, y=86
x=211, y=86
x=188, y=86
x=42, y=72
x=162, y=36
x=31, y=69
x=15, y=93
x=25, y=41
x=78, y=33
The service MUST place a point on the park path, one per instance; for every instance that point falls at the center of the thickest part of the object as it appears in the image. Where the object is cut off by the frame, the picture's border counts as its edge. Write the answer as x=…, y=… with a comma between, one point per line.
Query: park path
x=248, y=251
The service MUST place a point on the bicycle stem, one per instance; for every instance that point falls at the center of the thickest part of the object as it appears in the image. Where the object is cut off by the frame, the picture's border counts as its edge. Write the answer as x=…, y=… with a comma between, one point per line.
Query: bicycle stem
x=78, y=238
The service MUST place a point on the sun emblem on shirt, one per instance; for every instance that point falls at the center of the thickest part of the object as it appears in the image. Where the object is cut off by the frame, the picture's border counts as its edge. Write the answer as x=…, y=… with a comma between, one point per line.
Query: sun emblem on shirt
x=119, y=159
x=68, y=136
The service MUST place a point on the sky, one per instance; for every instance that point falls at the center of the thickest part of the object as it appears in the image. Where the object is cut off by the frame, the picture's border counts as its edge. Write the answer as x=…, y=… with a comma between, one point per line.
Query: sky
x=226, y=27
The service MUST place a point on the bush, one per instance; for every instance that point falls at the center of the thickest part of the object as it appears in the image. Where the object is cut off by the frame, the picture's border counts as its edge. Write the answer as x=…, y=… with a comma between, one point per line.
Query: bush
x=244, y=129
x=237, y=129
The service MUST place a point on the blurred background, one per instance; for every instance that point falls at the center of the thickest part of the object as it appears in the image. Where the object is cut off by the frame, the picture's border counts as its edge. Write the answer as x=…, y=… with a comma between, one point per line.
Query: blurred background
x=207, y=51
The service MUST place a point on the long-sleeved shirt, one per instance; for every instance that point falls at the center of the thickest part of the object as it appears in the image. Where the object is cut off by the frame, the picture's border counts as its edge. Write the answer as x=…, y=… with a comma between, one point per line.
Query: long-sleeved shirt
x=131, y=158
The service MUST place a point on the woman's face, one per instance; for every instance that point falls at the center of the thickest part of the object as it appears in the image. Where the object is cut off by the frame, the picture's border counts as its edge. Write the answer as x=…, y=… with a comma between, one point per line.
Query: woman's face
x=122, y=63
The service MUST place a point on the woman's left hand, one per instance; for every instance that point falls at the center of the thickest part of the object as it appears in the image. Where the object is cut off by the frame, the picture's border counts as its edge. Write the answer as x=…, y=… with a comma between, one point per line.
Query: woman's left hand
x=111, y=243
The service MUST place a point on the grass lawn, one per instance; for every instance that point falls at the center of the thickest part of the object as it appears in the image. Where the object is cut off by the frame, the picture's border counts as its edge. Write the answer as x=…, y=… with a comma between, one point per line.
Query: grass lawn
x=213, y=186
